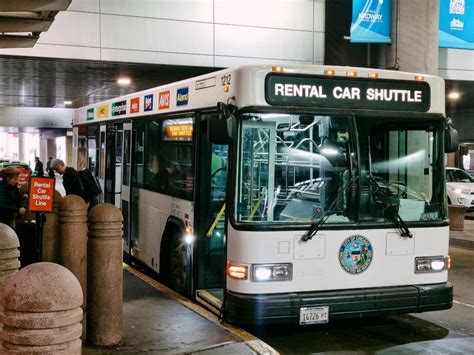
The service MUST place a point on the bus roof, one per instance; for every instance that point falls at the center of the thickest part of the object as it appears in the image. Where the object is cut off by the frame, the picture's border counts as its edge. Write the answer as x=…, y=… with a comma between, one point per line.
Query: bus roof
x=247, y=85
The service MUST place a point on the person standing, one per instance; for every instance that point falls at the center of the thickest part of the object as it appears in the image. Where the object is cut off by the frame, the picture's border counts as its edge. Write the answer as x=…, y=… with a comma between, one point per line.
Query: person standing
x=71, y=180
x=49, y=170
x=39, y=171
x=10, y=198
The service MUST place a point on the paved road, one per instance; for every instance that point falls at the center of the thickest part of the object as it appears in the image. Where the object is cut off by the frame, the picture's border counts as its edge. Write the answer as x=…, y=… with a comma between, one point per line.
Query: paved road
x=443, y=332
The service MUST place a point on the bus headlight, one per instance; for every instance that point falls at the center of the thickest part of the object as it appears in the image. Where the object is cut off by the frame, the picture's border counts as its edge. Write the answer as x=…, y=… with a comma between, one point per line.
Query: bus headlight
x=271, y=272
x=431, y=264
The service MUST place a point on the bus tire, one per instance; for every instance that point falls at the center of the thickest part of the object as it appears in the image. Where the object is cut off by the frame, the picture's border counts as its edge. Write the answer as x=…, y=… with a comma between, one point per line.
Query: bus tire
x=179, y=263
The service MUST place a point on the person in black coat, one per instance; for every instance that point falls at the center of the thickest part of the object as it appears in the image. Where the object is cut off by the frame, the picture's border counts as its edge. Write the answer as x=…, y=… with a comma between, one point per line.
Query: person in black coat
x=72, y=182
x=49, y=169
x=39, y=171
x=10, y=198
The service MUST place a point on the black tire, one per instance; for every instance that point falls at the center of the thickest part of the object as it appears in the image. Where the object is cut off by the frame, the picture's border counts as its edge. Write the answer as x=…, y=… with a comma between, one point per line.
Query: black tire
x=179, y=264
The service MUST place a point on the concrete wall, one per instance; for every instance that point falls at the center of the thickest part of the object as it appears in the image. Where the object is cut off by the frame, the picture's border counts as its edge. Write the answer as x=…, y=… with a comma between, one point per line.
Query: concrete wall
x=456, y=64
x=414, y=36
x=218, y=33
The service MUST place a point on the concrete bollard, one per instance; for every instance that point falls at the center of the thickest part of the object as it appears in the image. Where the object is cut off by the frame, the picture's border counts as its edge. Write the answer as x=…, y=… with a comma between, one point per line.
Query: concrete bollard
x=9, y=254
x=42, y=312
x=105, y=276
x=73, y=238
x=27, y=216
x=456, y=214
x=51, y=233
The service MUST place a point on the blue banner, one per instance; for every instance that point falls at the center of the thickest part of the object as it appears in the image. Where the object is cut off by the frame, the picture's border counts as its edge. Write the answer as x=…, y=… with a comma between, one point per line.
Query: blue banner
x=370, y=21
x=456, y=24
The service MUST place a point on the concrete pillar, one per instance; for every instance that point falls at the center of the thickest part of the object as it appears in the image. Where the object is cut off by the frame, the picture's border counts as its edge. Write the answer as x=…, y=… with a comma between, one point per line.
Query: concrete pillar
x=43, y=151
x=9, y=254
x=414, y=45
x=69, y=152
x=42, y=312
x=22, y=147
x=105, y=276
x=51, y=232
x=73, y=238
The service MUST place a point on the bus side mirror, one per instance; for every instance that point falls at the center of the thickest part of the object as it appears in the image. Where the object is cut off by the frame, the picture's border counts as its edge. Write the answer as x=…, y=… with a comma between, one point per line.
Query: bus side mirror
x=222, y=128
x=451, y=138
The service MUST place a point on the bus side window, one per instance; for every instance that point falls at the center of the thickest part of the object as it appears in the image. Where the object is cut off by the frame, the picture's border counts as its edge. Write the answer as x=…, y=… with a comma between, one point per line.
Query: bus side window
x=177, y=173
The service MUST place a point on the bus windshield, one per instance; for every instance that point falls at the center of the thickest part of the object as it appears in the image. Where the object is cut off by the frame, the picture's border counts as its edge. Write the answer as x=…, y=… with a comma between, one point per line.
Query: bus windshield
x=404, y=159
x=294, y=168
x=301, y=168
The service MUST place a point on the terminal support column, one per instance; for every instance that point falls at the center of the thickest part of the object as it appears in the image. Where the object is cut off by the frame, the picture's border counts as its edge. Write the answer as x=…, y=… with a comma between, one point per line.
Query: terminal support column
x=414, y=45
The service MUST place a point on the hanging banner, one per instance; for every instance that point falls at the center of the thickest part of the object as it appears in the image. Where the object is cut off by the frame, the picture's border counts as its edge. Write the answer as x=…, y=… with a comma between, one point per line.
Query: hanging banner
x=370, y=21
x=456, y=24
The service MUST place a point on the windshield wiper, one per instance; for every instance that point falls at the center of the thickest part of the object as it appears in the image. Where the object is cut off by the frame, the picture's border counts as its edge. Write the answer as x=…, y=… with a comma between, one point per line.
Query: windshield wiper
x=314, y=228
x=389, y=210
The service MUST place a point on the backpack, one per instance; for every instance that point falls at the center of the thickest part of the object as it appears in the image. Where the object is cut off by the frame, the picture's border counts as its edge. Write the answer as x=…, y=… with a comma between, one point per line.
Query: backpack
x=90, y=182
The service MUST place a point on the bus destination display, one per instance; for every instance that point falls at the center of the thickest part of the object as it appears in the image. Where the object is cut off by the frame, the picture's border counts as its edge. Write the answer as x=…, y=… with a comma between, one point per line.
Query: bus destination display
x=290, y=90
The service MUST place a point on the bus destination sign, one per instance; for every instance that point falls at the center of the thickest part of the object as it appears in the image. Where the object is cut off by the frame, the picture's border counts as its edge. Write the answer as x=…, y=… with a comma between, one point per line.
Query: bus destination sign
x=337, y=92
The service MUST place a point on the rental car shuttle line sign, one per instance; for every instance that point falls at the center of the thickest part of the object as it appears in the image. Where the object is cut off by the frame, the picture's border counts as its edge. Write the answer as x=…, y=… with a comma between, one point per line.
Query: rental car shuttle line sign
x=319, y=91
x=41, y=194
x=370, y=21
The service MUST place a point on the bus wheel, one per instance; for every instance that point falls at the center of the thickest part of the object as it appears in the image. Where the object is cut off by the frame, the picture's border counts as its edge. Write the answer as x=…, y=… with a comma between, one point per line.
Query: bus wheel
x=180, y=265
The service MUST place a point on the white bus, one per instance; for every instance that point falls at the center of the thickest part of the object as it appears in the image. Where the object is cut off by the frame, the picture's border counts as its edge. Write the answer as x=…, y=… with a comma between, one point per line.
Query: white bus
x=296, y=194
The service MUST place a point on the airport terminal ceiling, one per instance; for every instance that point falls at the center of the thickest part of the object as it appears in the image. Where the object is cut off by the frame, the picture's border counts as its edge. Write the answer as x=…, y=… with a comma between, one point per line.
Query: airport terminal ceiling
x=45, y=82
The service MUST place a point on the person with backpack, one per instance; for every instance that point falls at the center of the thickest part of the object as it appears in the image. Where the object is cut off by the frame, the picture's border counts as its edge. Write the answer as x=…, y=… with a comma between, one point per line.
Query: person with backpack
x=91, y=186
x=73, y=182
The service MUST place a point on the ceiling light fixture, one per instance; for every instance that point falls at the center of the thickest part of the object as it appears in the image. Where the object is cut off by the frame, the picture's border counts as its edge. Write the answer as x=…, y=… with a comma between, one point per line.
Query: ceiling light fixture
x=454, y=95
x=68, y=102
x=123, y=81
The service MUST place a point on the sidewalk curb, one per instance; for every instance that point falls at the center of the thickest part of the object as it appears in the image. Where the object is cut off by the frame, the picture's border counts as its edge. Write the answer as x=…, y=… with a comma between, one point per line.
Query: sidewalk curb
x=256, y=345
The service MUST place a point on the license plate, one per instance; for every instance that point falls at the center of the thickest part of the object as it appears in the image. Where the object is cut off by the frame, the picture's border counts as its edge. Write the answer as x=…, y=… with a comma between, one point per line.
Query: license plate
x=314, y=315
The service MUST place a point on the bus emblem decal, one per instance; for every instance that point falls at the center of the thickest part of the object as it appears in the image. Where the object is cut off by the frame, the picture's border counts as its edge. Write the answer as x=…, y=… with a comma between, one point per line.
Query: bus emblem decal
x=355, y=254
x=148, y=103
x=182, y=96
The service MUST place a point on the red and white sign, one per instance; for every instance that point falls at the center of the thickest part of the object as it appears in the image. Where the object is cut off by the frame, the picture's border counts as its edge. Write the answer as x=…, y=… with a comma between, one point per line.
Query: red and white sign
x=41, y=194
x=135, y=105
x=164, y=100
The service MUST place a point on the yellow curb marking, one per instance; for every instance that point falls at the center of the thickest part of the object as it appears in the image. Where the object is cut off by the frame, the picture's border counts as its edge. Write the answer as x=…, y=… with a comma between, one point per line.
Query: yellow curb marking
x=259, y=346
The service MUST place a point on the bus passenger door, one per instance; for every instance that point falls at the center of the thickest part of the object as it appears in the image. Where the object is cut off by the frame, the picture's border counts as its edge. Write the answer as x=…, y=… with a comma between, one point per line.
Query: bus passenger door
x=102, y=160
x=113, y=164
x=213, y=168
x=126, y=185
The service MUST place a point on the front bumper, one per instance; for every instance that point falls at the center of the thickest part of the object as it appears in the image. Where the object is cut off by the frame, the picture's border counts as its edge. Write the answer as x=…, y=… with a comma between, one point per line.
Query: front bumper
x=285, y=307
x=467, y=201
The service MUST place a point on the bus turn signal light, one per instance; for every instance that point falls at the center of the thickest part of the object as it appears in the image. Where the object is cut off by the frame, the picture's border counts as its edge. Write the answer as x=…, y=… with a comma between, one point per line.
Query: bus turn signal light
x=237, y=272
